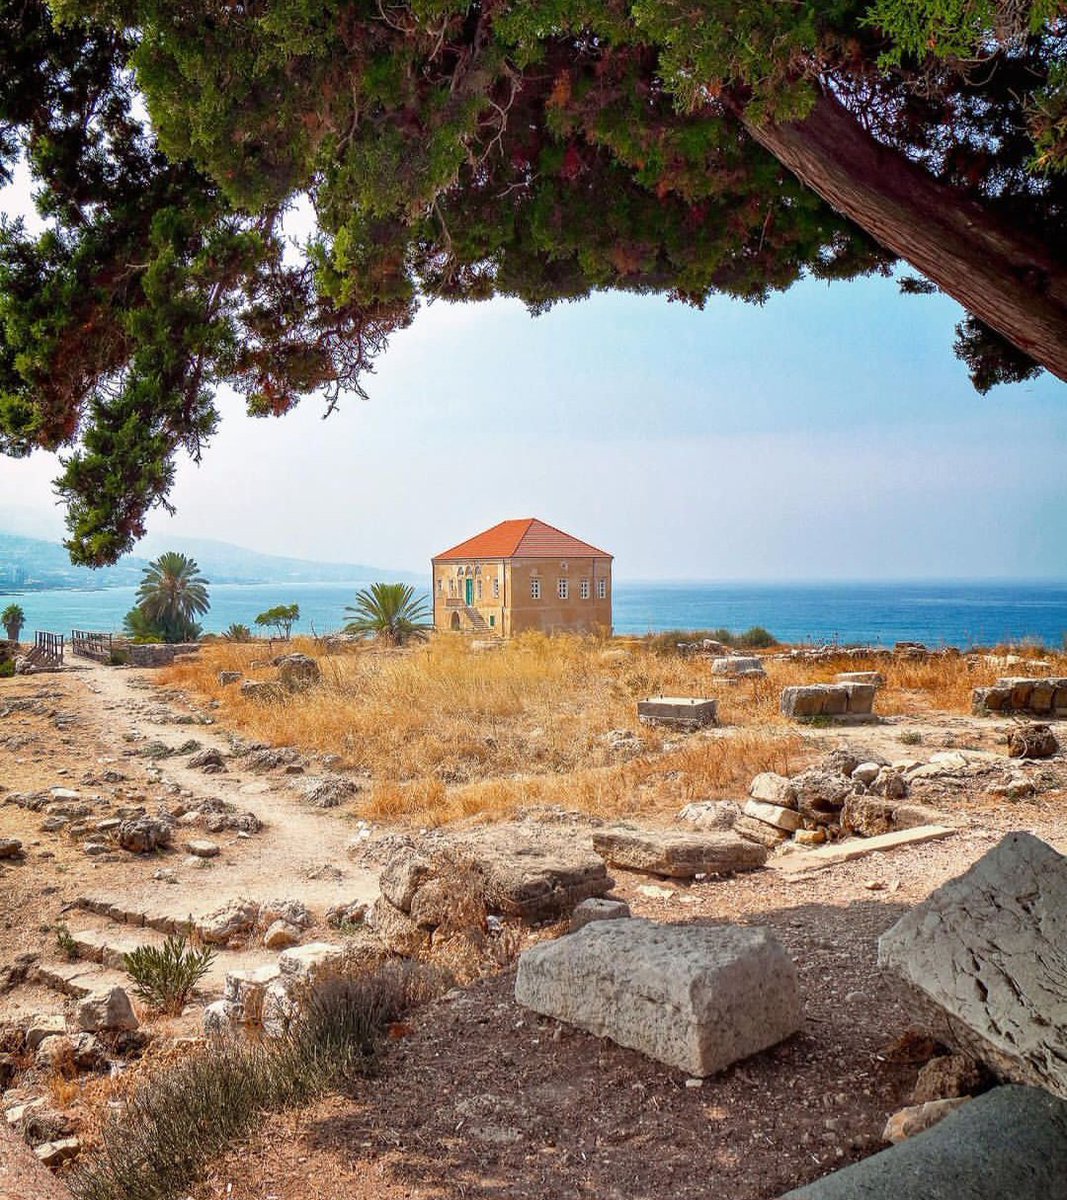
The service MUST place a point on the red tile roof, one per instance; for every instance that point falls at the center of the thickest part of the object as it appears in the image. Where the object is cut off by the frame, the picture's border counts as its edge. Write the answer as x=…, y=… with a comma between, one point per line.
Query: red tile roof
x=525, y=538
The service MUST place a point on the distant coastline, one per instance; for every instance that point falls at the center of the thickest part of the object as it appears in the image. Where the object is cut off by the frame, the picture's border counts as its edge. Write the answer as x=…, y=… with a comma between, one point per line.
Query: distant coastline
x=878, y=614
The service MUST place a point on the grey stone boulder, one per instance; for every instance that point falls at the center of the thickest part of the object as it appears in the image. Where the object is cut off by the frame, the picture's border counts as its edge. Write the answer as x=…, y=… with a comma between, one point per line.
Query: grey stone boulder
x=773, y=789
x=1009, y=1144
x=710, y=814
x=144, y=834
x=697, y=998
x=233, y=920
x=677, y=855
x=821, y=794
x=106, y=1010
x=10, y=847
x=737, y=666
x=983, y=960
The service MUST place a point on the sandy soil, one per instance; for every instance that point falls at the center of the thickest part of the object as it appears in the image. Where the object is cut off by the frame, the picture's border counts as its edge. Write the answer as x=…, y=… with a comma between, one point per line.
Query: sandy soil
x=479, y=1098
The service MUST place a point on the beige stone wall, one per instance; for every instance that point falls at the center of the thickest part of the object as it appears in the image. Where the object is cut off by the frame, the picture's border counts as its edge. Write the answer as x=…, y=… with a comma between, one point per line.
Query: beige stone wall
x=505, y=602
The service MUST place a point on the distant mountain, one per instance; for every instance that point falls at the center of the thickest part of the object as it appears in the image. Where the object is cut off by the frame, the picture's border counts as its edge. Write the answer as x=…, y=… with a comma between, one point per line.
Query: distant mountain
x=33, y=563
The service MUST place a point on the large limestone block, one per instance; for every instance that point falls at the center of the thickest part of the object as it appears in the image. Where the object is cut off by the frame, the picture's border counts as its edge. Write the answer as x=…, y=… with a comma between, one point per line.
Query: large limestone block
x=686, y=711
x=675, y=854
x=694, y=997
x=738, y=666
x=771, y=814
x=985, y=959
x=1010, y=1144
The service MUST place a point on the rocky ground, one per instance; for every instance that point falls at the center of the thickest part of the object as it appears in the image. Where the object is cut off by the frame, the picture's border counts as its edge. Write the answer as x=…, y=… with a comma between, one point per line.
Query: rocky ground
x=476, y=1096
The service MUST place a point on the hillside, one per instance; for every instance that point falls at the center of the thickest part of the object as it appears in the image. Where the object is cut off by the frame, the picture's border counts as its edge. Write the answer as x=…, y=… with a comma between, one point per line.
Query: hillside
x=33, y=563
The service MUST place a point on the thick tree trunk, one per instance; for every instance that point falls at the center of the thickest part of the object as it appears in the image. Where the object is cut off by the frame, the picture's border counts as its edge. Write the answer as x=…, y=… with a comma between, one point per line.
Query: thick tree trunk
x=999, y=273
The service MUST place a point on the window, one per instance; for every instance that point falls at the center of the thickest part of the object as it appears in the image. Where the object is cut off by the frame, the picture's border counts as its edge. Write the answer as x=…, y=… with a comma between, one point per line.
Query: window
x=492, y=622
x=479, y=589
x=562, y=589
x=440, y=586
x=583, y=589
x=535, y=589
x=496, y=589
x=601, y=589
x=451, y=587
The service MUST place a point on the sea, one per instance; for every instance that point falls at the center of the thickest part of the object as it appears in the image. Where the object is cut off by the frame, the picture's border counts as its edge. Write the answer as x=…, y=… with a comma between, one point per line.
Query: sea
x=939, y=614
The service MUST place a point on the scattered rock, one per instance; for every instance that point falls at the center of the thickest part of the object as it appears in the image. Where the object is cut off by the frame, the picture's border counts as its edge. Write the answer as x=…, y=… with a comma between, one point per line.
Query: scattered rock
x=40, y=1027
x=759, y=832
x=868, y=816
x=738, y=666
x=106, y=1010
x=786, y=819
x=297, y=671
x=677, y=855
x=946, y=1076
x=10, y=847
x=773, y=789
x=233, y=920
x=144, y=834
x=397, y=930
x=293, y=912
x=210, y=761
x=821, y=794
x=697, y=998
x=917, y=1118
x=598, y=908
x=330, y=791
x=226, y=678
x=51, y=1154
x=280, y=935
x=202, y=849
x=710, y=814
x=339, y=915
x=262, y=691
x=1032, y=741
x=56, y=1054
x=982, y=958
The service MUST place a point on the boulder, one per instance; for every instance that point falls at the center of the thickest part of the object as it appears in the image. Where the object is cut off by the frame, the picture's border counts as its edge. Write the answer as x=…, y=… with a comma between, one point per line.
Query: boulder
x=233, y=920
x=697, y=998
x=310, y=962
x=787, y=819
x=684, y=711
x=10, y=847
x=244, y=992
x=983, y=958
x=773, y=789
x=280, y=935
x=402, y=876
x=39, y=1028
x=219, y=1018
x=1032, y=741
x=754, y=830
x=262, y=691
x=828, y=700
x=288, y=909
x=201, y=848
x=868, y=816
x=821, y=794
x=710, y=814
x=1010, y=1144
x=106, y=1010
x=297, y=671
x=598, y=908
x=674, y=854
x=144, y=834
x=225, y=678
x=329, y=791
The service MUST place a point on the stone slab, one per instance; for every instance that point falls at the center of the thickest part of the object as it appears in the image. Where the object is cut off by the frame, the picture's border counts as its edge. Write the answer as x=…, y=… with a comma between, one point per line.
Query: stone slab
x=772, y=814
x=1009, y=1144
x=839, y=852
x=685, y=711
x=678, y=855
x=984, y=959
x=697, y=998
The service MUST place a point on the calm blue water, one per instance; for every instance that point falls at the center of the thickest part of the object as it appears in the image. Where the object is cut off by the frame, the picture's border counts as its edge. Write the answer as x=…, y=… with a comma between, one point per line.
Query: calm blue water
x=954, y=614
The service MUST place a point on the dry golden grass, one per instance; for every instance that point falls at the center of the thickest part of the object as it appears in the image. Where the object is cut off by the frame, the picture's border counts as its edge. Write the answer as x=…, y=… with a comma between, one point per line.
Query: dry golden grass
x=448, y=733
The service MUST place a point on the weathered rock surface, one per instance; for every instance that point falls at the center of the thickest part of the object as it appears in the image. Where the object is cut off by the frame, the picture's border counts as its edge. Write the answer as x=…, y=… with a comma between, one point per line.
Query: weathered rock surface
x=232, y=920
x=396, y=929
x=738, y=666
x=22, y=1176
x=773, y=789
x=1010, y=1144
x=280, y=935
x=210, y=761
x=107, y=1010
x=142, y=834
x=10, y=847
x=677, y=855
x=946, y=1076
x=787, y=819
x=710, y=814
x=1040, y=696
x=683, y=711
x=1032, y=741
x=697, y=998
x=297, y=671
x=753, y=830
x=598, y=909
x=985, y=957
x=917, y=1118
x=828, y=700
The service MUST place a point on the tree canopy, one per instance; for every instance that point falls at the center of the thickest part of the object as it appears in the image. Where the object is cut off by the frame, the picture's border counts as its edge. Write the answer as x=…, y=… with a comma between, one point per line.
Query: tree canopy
x=171, y=595
x=542, y=149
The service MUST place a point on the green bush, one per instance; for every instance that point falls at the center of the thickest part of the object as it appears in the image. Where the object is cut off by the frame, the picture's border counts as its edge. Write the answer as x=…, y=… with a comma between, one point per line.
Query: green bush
x=7, y=669
x=756, y=638
x=65, y=944
x=164, y=976
x=181, y=1118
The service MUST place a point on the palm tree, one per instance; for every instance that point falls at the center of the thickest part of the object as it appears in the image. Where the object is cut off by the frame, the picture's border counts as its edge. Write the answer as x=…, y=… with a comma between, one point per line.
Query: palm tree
x=13, y=619
x=389, y=611
x=172, y=594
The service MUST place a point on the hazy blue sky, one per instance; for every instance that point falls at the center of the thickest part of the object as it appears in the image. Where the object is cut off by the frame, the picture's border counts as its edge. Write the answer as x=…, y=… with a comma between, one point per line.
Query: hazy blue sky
x=829, y=434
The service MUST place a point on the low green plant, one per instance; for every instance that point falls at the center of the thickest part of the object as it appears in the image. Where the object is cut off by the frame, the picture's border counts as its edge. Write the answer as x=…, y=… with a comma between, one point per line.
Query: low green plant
x=236, y=632
x=182, y=1117
x=65, y=943
x=7, y=669
x=164, y=976
x=911, y=737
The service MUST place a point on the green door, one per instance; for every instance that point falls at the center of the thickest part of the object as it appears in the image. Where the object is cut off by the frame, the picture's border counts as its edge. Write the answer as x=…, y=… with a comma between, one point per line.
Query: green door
x=470, y=591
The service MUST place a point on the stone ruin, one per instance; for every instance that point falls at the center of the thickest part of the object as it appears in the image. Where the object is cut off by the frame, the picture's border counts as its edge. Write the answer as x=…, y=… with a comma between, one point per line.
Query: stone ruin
x=684, y=712
x=839, y=701
x=736, y=666
x=1039, y=697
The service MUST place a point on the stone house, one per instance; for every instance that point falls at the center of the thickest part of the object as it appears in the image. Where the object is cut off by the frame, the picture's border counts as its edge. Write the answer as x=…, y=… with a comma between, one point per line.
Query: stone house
x=522, y=575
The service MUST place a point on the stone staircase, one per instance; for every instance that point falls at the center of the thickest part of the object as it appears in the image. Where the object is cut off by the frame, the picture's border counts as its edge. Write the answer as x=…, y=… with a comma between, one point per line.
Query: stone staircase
x=104, y=930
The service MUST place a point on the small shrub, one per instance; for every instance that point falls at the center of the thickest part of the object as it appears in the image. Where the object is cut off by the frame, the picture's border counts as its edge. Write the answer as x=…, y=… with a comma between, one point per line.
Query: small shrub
x=7, y=669
x=166, y=975
x=911, y=737
x=65, y=944
x=757, y=638
x=182, y=1117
